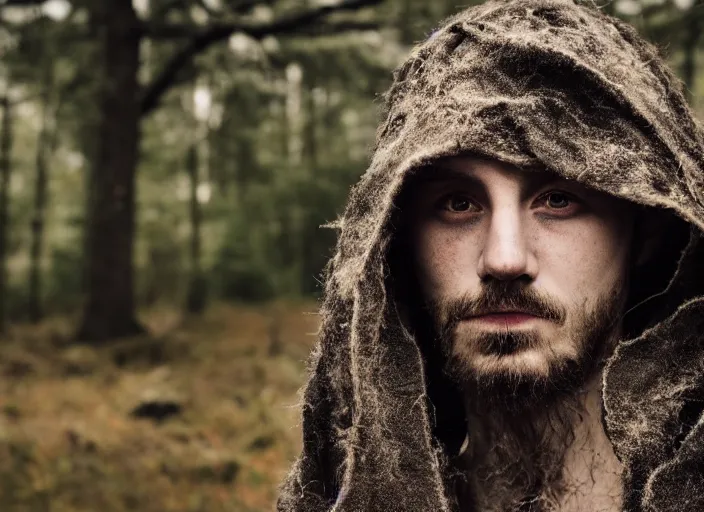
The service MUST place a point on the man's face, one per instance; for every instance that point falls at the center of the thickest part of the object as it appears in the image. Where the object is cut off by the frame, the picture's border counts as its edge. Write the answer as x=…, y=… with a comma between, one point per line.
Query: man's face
x=524, y=272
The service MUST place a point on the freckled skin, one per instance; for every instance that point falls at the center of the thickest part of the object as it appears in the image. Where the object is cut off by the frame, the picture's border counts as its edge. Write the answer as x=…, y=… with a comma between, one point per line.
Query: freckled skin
x=574, y=255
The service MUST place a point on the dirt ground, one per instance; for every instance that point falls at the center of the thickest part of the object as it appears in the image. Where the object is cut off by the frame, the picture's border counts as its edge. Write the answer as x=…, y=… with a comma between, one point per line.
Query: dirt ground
x=200, y=415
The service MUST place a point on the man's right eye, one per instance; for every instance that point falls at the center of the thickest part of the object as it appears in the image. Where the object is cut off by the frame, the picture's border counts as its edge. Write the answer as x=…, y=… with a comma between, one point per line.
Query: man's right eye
x=457, y=203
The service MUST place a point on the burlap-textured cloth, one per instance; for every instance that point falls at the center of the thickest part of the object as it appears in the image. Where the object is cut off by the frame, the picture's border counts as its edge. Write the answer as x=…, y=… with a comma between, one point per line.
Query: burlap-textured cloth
x=528, y=82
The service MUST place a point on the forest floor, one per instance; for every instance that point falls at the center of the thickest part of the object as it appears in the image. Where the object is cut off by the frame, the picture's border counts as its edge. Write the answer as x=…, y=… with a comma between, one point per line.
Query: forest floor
x=202, y=414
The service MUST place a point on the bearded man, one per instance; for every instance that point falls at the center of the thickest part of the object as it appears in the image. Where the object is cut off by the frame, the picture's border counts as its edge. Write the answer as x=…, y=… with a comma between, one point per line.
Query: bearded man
x=514, y=317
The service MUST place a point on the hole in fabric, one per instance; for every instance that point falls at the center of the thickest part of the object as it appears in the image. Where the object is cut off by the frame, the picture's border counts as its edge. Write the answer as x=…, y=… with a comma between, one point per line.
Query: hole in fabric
x=412, y=66
x=688, y=417
x=403, y=72
x=554, y=17
x=457, y=37
x=394, y=126
x=660, y=185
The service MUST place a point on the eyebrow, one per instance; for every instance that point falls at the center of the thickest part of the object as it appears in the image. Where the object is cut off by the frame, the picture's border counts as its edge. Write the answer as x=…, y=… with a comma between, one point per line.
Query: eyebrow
x=435, y=173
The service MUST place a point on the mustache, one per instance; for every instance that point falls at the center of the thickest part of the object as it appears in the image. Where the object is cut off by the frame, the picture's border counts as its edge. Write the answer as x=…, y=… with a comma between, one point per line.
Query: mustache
x=498, y=296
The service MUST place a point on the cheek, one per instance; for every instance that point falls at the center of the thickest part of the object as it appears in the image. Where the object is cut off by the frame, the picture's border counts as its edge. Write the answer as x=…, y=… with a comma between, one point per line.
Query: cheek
x=445, y=261
x=585, y=263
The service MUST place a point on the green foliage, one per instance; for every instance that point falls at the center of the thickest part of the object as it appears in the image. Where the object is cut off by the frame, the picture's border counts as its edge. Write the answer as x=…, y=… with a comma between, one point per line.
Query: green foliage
x=240, y=272
x=274, y=244
x=290, y=126
x=65, y=279
x=160, y=258
x=239, y=276
x=197, y=297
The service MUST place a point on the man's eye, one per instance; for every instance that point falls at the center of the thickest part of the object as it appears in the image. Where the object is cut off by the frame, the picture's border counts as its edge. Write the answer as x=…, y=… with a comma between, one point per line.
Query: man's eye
x=457, y=203
x=558, y=203
x=557, y=200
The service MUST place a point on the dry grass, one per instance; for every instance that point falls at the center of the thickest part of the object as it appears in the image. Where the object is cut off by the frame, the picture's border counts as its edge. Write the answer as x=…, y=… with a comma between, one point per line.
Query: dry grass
x=69, y=443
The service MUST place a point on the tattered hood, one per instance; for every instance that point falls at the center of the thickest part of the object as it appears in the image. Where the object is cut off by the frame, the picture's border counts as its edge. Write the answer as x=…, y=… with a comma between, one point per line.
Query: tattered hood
x=529, y=82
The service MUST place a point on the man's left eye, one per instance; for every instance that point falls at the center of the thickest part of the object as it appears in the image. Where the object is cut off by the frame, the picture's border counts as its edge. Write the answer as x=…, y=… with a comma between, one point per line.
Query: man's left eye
x=557, y=200
x=557, y=203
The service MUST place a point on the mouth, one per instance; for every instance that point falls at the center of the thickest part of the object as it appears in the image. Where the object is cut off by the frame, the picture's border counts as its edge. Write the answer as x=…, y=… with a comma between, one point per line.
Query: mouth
x=504, y=318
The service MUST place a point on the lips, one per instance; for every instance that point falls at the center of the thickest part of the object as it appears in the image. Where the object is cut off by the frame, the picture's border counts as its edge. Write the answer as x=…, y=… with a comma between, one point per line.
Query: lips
x=504, y=317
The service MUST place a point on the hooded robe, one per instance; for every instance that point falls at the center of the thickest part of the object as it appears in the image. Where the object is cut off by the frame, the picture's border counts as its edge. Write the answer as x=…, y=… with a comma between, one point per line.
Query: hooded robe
x=530, y=83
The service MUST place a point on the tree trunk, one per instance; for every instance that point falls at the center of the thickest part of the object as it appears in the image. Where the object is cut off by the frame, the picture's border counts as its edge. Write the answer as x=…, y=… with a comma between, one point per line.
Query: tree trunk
x=40, y=199
x=693, y=25
x=5, y=169
x=310, y=140
x=109, y=310
x=306, y=274
x=405, y=20
x=195, y=302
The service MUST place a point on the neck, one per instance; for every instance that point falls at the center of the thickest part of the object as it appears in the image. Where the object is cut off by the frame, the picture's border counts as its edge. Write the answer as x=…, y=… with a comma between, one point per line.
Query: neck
x=539, y=454
x=591, y=472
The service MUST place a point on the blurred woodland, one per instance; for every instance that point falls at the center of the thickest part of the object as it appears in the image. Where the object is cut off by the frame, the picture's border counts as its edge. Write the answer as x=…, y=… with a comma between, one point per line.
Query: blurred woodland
x=165, y=170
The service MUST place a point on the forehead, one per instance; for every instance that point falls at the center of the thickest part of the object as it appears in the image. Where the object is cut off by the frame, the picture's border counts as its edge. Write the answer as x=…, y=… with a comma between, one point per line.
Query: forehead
x=485, y=176
x=485, y=171
x=491, y=178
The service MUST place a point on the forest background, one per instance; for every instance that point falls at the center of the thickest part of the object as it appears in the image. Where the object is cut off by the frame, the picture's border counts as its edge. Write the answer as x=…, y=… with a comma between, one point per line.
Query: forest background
x=165, y=170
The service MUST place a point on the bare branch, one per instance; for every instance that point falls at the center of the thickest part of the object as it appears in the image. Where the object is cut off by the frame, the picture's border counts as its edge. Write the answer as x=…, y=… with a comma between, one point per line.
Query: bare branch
x=240, y=7
x=202, y=41
x=184, y=30
x=334, y=28
x=20, y=3
x=155, y=30
x=166, y=8
x=244, y=6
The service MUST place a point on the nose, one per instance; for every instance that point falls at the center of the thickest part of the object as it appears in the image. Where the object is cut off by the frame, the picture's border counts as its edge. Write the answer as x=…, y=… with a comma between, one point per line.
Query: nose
x=505, y=255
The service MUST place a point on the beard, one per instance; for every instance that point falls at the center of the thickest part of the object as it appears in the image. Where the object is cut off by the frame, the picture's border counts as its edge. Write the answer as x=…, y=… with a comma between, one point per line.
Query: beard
x=521, y=421
x=490, y=363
